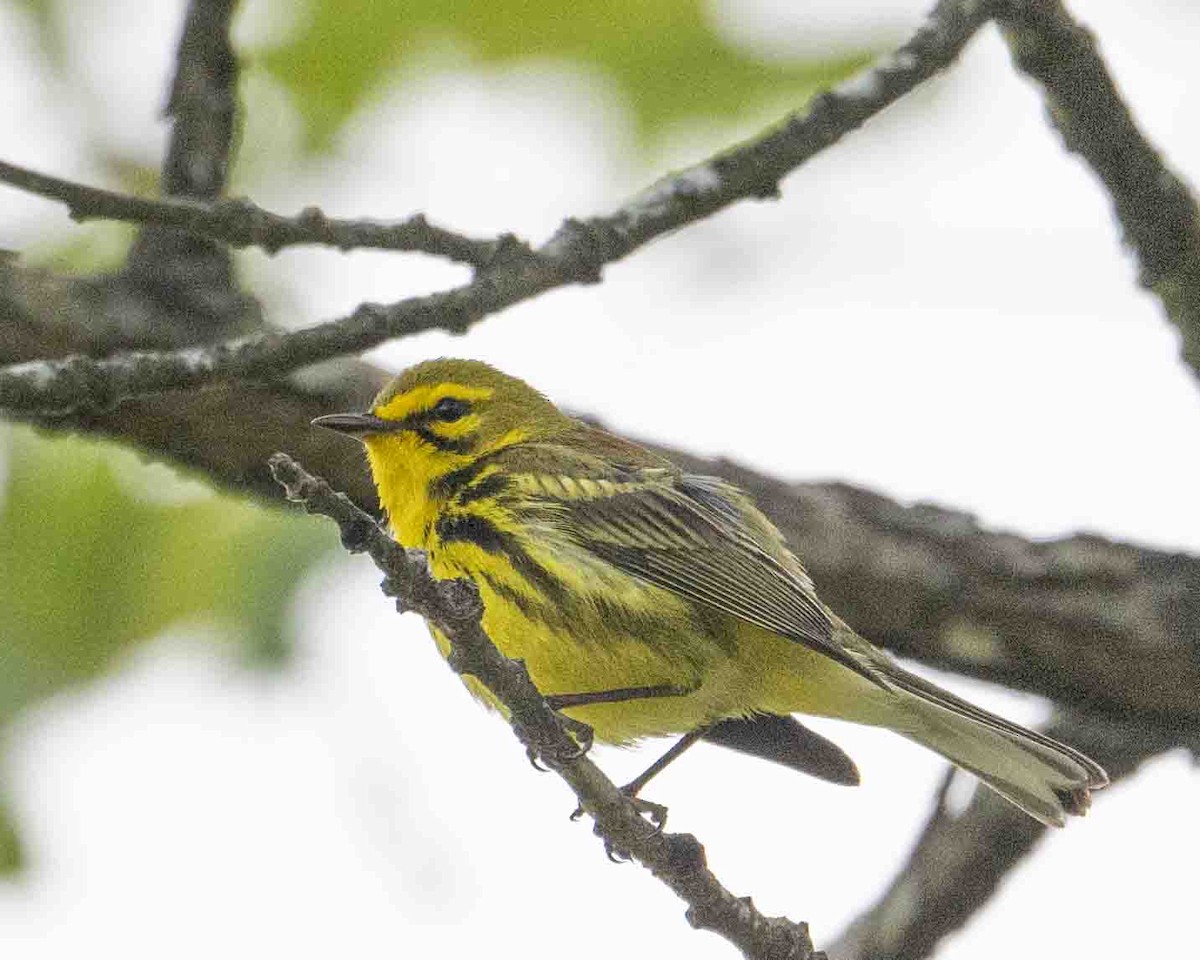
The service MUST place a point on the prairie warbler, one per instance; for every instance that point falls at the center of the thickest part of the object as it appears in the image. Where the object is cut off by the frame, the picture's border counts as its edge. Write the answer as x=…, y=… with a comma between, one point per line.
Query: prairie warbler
x=645, y=601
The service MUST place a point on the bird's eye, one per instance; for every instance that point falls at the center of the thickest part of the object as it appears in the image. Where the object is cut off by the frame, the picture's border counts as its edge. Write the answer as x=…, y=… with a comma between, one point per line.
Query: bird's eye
x=450, y=408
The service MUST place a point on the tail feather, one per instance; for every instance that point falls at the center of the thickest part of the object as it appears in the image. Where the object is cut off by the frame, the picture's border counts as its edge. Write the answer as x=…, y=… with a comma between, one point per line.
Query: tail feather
x=1045, y=778
x=783, y=739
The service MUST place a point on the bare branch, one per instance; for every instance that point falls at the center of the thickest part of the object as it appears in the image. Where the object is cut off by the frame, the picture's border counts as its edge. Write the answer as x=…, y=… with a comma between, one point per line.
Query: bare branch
x=203, y=103
x=80, y=382
x=960, y=860
x=189, y=273
x=454, y=607
x=575, y=254
x=1155, y=207
x=240, y=223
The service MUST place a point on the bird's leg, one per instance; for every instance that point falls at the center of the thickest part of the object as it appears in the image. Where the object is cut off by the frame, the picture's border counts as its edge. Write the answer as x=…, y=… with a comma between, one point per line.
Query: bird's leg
x=562, y=701
x=577, y=730
x=580, y=731
x=655, y=811
x=634, y=786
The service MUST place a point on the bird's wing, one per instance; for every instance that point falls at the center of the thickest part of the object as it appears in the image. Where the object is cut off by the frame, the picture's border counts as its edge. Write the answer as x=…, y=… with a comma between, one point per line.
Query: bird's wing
x=697, y=537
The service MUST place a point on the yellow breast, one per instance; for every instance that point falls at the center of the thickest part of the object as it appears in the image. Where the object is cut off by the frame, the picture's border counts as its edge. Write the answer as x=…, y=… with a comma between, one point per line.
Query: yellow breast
x=579, y=624
x=403, y=470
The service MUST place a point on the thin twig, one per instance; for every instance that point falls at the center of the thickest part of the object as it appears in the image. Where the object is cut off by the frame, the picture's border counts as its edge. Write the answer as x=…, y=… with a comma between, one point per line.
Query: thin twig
x=1155, y=207
x=575, y=254
x=240, y=223
x=454, y=607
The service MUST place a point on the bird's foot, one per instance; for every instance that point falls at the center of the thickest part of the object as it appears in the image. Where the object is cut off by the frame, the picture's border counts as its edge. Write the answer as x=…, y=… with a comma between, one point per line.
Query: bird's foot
x=581, y=735
x=654, y=814
x=534, y=760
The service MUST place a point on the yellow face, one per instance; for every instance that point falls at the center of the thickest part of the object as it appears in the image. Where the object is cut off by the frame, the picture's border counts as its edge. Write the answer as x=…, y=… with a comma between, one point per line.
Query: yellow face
x=422, y=434
x=438, y=417
x=460, y=408
x=447, y=417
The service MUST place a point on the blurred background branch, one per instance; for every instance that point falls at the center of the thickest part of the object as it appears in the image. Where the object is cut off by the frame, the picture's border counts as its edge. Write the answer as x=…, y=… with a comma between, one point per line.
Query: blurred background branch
x=961, y=857
x=187, y=277
x=1156, y=209
x=240, y=223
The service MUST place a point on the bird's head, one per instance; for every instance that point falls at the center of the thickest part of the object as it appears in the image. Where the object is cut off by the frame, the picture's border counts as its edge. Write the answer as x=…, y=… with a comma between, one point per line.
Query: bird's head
x=449, y=412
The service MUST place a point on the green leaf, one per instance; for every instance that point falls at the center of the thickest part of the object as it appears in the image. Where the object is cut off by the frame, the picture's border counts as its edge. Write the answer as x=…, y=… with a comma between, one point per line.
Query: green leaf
x=663, y=55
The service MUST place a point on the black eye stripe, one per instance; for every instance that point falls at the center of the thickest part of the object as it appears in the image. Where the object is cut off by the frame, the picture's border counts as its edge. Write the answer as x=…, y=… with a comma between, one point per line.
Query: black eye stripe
x=449, y=409
x=444, y=444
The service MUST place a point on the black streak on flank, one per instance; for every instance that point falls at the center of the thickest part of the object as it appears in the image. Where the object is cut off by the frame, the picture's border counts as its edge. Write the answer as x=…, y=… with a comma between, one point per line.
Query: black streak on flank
x=473, y=529
x=443, y=487
x=522, y=602
x=487, y=536
x=489, y=486
x=444, y=444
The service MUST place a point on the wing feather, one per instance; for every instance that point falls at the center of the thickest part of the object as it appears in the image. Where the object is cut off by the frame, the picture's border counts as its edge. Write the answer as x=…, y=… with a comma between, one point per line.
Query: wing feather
x=693, y=536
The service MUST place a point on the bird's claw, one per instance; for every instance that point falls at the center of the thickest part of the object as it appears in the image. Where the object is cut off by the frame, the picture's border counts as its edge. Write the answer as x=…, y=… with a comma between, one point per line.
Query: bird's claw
x=656, y=821
x=532, y=756
x=656, y=815
x=583, y=735
x=580, y=733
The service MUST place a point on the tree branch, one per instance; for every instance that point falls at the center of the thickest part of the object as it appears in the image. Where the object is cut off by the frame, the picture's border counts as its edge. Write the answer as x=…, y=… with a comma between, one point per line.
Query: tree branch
x=203, y=103
x=189, y=274
x=454, y=607
x=1156, y=209
x=575, y=254
x=240, y=223
x=960, y=860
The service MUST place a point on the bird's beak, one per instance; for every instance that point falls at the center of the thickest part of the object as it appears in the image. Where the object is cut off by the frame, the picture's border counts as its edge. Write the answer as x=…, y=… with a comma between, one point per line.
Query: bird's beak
x=352, y=424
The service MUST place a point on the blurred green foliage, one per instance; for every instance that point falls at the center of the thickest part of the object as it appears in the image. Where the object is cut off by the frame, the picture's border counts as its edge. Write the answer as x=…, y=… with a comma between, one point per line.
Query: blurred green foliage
x=44, y=15
x=89, y=249
x=99, y=552
x=97, y=246
x=664, y=56
x=667, y=59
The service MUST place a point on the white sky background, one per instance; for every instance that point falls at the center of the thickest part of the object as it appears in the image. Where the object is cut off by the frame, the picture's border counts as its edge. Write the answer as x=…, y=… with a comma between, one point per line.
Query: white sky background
x=945, y=299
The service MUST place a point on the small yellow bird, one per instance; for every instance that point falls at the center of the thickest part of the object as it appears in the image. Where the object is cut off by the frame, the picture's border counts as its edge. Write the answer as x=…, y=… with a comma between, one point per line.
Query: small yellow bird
x=646, y=602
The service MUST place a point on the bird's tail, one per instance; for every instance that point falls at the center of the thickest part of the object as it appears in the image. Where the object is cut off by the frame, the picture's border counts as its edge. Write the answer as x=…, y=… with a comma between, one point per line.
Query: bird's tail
x=1045, y=778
